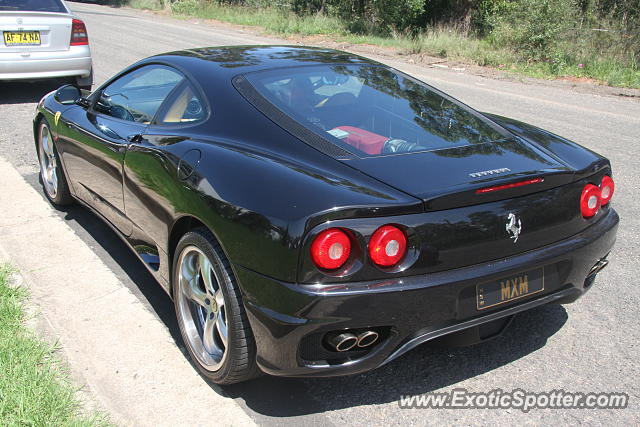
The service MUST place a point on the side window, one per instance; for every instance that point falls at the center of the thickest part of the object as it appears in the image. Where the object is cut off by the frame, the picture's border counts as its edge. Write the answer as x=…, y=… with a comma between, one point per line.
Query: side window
x=187, y=107
x=138, y=95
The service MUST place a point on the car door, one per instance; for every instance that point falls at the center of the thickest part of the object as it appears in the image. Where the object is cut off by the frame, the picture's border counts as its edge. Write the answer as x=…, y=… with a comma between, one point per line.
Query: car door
x=96, y=138
x=154, y=188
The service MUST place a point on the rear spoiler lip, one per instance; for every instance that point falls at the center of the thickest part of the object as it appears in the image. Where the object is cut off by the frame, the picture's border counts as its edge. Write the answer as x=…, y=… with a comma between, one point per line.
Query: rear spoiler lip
x=582, y=169
x=465, y=194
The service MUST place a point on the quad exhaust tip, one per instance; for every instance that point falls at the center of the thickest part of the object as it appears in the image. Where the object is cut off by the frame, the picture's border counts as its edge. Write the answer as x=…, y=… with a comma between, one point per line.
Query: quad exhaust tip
x=367, y=338
x=346, y=341
x=599, y=266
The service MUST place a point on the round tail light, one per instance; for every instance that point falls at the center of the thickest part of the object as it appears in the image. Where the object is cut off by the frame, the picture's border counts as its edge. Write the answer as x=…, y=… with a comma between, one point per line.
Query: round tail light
x=590, y=200
x=331, y=249
x=387, y=246
x=606, y=190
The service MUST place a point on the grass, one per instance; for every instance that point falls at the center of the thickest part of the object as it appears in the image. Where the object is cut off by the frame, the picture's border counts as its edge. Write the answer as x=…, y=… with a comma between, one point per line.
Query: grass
x=34, y=386
x=439, y=42
x=144, y=4
x=601, y=69
x=272, y=20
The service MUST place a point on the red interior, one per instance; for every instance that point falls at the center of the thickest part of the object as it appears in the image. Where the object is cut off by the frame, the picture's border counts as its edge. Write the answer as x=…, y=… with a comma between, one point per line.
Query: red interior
x=369, y=142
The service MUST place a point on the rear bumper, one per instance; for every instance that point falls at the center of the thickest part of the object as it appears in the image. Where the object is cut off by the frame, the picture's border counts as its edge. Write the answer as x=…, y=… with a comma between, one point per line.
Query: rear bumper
x=289, y=321
x=41, y=65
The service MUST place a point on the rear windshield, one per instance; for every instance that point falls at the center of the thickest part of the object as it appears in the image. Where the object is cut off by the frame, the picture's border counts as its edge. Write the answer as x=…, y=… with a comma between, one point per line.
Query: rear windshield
x=33, y=5
x=372, y=110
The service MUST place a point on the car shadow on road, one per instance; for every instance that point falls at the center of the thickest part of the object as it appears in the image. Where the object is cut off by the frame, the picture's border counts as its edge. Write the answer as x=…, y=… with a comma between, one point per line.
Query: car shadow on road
x=426, y=368
x=27, y=92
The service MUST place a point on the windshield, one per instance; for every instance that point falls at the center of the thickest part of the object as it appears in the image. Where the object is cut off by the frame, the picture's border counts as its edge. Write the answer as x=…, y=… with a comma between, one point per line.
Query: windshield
x=372, y=110
x=33, y=5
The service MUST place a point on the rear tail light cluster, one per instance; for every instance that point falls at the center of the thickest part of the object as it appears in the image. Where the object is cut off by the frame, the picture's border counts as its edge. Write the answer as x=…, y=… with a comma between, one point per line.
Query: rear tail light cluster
x=593, y=197
x=590, y=200
x=387, y=246
x=79, y=33
x=331, y=249
x=606, y=190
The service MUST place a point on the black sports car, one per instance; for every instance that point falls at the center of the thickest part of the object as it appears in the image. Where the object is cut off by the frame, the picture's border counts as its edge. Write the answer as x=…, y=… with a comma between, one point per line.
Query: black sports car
x=313, y=212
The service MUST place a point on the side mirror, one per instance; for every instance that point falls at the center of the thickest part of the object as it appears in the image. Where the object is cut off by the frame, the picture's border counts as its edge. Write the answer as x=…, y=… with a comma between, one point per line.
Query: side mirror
x=83, y=102
x=67, y=95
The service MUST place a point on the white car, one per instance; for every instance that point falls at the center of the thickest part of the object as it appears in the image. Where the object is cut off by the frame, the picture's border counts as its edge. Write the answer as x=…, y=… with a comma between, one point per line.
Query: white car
x=42, y=39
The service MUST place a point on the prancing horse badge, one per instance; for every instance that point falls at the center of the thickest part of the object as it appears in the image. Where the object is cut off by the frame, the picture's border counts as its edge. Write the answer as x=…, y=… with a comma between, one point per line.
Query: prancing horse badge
x=514, y=226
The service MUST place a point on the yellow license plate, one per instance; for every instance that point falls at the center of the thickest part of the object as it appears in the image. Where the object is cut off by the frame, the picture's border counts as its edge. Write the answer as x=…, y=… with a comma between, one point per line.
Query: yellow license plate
x=21, y=38
x=509, y=289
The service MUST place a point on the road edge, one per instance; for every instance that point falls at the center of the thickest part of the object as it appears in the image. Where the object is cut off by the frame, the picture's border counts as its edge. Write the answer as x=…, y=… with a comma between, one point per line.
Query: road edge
x=134, y=370
x=423, y=60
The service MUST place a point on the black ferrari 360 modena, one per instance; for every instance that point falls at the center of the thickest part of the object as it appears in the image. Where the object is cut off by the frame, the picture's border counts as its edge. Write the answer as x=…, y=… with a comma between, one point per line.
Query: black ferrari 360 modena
x=313, y=212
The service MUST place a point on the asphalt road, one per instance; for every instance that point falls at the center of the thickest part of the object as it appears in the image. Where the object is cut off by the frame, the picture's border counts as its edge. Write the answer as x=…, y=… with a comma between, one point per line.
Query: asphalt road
x=588, y=346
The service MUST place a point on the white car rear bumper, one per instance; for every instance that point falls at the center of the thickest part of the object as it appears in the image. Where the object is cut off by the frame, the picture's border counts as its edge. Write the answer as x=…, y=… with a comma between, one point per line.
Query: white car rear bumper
x=41, y=65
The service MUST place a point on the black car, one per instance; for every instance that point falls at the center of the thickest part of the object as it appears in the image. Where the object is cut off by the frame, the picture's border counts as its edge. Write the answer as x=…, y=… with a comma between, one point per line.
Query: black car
x=315, y=213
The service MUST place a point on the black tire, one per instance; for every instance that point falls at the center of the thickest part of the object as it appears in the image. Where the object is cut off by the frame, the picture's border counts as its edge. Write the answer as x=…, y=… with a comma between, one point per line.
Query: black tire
x=55, y=188
x=239, y=362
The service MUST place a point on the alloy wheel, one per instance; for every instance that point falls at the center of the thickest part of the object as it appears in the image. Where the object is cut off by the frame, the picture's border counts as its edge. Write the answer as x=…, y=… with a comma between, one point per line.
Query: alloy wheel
x=48, y=162
x=201, y=308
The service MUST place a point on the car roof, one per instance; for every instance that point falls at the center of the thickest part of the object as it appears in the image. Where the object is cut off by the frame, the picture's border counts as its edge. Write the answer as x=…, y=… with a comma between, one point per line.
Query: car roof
x=234, y=60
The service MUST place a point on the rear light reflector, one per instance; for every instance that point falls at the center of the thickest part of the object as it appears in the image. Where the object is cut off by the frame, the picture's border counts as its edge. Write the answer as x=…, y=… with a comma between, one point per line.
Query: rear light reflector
x=512, y=185
x=590, y=200
x=387, y=246
x=331, y=249
x=79, y=33
x=606, y=189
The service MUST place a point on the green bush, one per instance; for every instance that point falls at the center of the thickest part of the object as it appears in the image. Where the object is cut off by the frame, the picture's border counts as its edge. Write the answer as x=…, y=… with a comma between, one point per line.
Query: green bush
x=488, y=13
x=184, y=7
x=597, y=39
x=535, y=28
x=378, y=17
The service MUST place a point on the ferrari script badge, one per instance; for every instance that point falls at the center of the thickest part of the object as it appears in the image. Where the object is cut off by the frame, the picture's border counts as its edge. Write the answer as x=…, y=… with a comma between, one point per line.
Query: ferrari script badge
x=513, y=227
